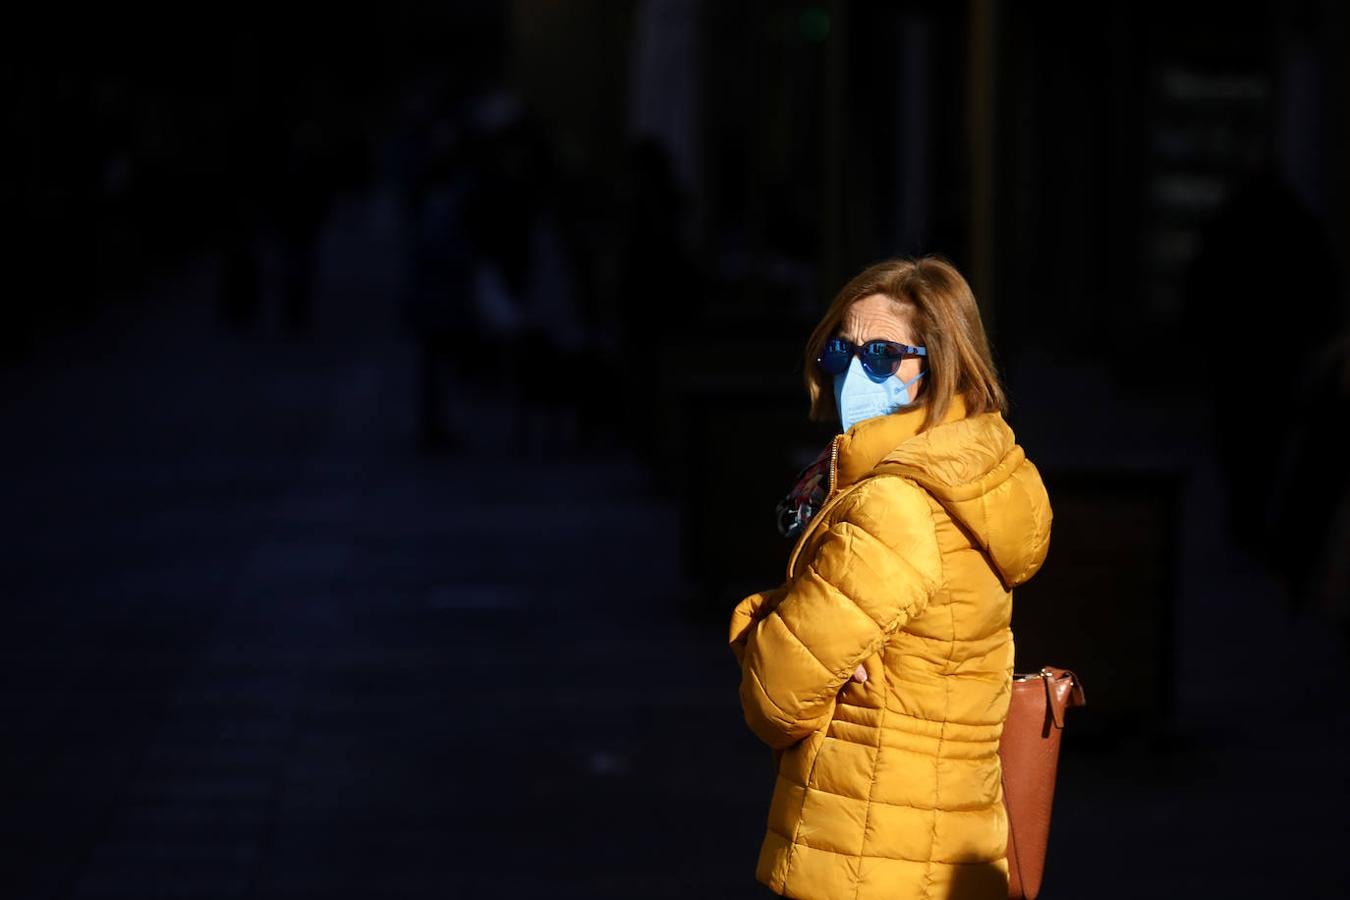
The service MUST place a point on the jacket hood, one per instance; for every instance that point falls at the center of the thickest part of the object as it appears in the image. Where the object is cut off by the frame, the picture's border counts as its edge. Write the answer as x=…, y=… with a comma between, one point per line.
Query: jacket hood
x=982, y=477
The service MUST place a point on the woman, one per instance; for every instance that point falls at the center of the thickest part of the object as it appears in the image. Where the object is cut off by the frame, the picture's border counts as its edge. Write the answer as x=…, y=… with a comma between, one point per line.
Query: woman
x=880, y=671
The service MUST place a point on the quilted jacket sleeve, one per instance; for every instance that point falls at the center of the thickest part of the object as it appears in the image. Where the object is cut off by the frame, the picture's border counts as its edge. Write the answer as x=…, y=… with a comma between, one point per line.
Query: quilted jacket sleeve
x=746, y=614
x=872, y=572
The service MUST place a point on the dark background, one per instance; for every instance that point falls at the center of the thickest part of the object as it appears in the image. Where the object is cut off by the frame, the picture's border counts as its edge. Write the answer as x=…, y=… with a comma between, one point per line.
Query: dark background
x=395, y=403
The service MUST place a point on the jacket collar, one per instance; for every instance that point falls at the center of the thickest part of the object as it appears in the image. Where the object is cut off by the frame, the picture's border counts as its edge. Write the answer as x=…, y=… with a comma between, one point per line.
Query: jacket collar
x=858, y=450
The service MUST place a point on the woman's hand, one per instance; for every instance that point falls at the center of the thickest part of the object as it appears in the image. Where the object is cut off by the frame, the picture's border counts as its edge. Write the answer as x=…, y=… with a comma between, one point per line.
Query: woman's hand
x=859, y=674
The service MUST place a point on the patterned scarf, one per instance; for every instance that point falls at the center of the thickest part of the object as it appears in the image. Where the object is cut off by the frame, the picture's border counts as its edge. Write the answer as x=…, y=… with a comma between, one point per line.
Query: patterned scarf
x=806, y=496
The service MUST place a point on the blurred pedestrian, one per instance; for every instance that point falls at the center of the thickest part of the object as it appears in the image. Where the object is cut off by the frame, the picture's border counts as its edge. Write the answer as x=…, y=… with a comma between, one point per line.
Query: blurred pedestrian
x=1308, y=533
x=440, y=308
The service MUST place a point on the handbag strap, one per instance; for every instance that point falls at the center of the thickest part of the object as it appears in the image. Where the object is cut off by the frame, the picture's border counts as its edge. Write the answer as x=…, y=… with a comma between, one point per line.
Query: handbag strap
x=1062, y=691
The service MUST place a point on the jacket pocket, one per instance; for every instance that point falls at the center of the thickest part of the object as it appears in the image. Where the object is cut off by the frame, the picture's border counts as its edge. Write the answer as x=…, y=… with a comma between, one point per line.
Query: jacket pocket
x=870, y=693
x=797, y=762
x=818, y=741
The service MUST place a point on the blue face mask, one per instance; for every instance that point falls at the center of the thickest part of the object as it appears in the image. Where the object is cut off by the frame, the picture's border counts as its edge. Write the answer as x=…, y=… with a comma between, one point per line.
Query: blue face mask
x=858, y=396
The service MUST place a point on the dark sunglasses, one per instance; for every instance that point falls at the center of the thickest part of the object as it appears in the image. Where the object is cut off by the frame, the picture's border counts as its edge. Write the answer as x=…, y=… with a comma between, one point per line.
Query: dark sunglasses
x=879, y=358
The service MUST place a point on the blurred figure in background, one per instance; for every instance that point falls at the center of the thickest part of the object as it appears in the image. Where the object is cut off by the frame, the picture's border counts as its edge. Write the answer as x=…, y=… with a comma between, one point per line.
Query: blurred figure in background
x=439, y=307
x=651, y=241
x=655, y=273
x=553, y=337
x=493, y=296
x=251, y=138
x=282, y=168
x=1309, y=527
x=1263, y=296
x=301, y=199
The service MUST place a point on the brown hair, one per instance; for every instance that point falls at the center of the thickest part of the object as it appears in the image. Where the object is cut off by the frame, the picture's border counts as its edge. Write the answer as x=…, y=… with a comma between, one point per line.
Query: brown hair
x=943, y=318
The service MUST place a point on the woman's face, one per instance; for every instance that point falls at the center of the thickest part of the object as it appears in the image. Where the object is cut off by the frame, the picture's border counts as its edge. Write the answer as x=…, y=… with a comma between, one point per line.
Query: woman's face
x=877, y=317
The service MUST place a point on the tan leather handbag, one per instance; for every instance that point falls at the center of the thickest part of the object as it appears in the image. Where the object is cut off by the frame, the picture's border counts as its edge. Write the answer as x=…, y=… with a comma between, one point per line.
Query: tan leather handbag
x=1029, y=751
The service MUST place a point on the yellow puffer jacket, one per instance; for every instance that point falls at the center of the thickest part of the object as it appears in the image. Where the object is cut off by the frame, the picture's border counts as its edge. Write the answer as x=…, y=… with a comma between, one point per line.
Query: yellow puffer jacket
x=891, y=787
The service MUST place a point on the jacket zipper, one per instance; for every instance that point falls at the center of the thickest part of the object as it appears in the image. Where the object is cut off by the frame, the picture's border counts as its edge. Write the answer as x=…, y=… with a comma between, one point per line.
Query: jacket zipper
x=831, y=498
x=834, y=464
